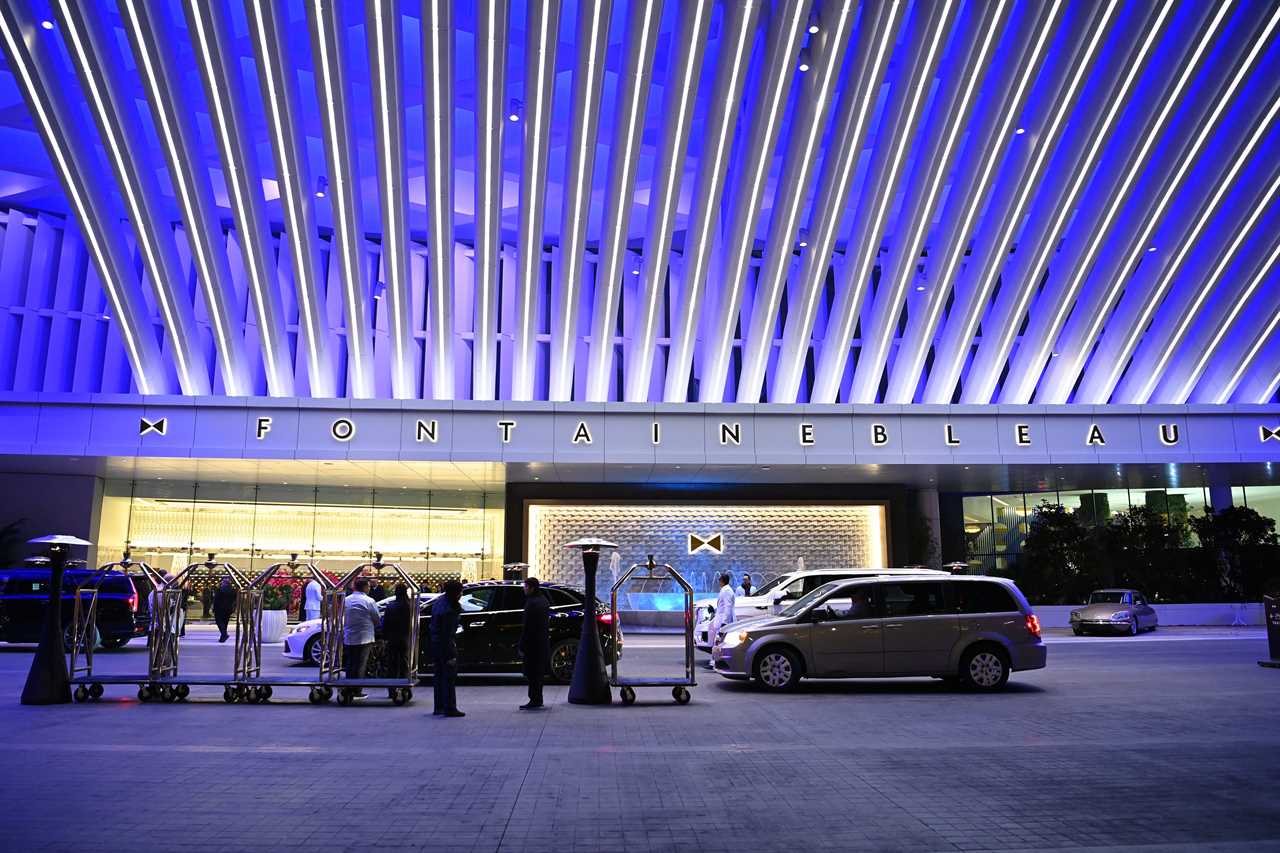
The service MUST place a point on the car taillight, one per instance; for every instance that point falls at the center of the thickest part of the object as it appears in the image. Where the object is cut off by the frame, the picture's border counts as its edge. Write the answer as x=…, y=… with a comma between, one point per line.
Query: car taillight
x=605, y=618
x=1033, y=625
x=133, y=603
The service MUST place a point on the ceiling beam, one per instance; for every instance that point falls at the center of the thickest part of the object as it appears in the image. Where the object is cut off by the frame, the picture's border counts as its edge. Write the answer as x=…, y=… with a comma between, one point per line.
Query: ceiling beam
x=491, y=65
x=643, y=21
x=276, y=79
x=150, y=38
x=737, y=35
x=30, y=60
x=97, y=66
x=877, y=34
x=438, y=86
x=827, y=47
x=689, y=44
x=328, y=46
x=926, y=40
x=782, y=46
x=541, y=27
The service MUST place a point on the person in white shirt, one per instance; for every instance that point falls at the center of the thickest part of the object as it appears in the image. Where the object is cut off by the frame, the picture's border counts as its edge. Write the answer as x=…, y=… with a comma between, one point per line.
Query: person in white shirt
x=724, y=608
x=311, y=600
x=360, y=621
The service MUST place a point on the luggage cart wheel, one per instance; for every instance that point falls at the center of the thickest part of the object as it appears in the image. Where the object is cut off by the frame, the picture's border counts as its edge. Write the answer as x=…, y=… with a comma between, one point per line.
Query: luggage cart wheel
x=400, y=695
x=228, y=694
x=183, y=690
x=326, y=693
x=264, y=693
x=681, y=695
x=144, y=693
x=344, y=697
x=627, y=695
x=95, y=690
x=315, y=696
x=167, y=694
x=80, y=694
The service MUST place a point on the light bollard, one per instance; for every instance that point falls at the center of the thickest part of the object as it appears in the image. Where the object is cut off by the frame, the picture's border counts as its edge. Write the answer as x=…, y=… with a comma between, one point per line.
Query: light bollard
x=590, y=684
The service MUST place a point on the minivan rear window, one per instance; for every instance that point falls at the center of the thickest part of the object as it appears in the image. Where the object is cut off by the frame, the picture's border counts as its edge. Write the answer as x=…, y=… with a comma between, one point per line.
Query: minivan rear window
x=983, y=597
x=914, y=598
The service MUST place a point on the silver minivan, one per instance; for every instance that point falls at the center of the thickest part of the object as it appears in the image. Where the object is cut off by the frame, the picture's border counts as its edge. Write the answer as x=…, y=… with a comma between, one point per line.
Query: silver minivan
x=970, y=629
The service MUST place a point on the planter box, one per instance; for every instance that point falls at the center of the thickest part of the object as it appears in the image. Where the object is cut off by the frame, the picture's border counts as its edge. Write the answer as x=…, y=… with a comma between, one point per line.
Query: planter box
x=274, y=624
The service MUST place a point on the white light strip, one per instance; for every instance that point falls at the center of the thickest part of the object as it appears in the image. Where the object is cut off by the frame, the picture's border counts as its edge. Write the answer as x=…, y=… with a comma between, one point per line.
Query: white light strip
x=681, y=355
x=1137, y=163
x=1229, y=388
x=1184, y=248
x=297, y=242
x=597, y=375
x=712, y=388
x=84, y=211
x=169, y=137
x=757, y=349
x=581, y=184
x=350, y=265
x=787, y=378
x=487, y=209
x=222, y=122
x=1220, y=330
x=129, y=190
x=1031, y=180
x=530, y=247
x=393, y=177
x=655, y=260
x=884, y=333
x=990, y=159
x=835, y=349
x=442, y=364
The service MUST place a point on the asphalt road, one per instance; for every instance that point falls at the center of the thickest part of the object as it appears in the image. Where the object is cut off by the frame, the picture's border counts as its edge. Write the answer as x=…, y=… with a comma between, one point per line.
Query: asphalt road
x=1167, y=741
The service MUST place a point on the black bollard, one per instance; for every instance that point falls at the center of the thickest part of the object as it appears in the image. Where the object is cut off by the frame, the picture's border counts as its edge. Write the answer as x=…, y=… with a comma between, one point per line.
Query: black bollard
x=48, y=682
x=590, y=684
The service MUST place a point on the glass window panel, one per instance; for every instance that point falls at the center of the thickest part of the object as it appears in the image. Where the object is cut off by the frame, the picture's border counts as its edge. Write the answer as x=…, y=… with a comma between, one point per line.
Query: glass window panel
x=1009, y=522
x=979, y=536
x=1265, y=500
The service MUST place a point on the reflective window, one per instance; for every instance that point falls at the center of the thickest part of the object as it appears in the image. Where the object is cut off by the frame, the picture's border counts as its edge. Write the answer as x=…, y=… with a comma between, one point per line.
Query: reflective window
x=982, y=597
x=979, y=537
x=482, y=598
x=917, y=598
x=852, y=602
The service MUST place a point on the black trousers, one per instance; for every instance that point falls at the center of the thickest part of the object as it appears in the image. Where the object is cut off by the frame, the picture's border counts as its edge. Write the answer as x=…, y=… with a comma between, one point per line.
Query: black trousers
x=356, y=659
x=535, y=672
x=444, y=677
x=222, y=619
x=397, y=660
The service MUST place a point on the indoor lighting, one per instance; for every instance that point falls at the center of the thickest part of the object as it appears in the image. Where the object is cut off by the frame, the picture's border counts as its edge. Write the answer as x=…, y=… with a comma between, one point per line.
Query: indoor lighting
x=47, y=24
x=1020, y=131
x=919, y=288
x=804, y=64
x=814, y=29
x=1151, y=248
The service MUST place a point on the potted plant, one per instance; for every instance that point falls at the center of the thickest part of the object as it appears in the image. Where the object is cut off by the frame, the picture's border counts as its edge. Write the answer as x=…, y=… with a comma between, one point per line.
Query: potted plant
x=275, y=612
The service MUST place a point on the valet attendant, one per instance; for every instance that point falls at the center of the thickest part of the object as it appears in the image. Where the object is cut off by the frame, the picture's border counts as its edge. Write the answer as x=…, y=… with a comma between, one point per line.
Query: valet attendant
x=724, y=610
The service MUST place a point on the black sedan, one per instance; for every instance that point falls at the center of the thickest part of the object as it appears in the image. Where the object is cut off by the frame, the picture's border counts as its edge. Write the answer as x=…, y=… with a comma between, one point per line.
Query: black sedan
x=24, y=598
x=489, y=630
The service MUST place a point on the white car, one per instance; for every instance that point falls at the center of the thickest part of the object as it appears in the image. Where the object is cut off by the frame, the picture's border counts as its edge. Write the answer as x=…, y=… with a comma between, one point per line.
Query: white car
x=303, y=640
x=779, y=593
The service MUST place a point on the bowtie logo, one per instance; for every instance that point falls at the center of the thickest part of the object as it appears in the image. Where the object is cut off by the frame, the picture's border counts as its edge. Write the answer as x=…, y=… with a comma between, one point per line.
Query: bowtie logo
x=713, y=544
x=1268, y=433
x=160, y=427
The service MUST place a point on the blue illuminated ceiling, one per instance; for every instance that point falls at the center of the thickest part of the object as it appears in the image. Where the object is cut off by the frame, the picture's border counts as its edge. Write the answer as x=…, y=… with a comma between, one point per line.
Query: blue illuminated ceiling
x=988, y=201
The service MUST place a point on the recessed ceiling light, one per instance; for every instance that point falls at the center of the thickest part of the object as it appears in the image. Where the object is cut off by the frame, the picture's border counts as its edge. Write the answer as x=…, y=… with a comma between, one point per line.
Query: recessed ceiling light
x=804, y=66
x=1053, y=355
x=813, y=29
x=803, y=243
x=47, y=24
x=1151, y=248
x=919, y=288
x=1020, y=131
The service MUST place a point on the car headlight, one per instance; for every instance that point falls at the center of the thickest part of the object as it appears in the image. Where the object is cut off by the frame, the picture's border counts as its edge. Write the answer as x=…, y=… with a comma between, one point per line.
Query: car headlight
x=732, y=639
x=300, y=627
x=1075, y=615
x=1120, y=616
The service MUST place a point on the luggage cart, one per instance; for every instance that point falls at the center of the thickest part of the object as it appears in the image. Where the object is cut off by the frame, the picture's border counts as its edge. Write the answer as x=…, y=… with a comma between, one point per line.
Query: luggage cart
x=248, y=684
x=84, y=632
x=333, y=617
x=679, y=686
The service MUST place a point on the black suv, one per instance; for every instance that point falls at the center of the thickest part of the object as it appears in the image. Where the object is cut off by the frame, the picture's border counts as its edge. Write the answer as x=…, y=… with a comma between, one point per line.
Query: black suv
x=490, y=629
x=123, y=604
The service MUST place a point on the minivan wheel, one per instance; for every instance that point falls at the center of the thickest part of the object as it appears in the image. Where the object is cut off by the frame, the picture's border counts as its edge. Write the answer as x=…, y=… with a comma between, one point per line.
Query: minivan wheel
x=778, y=669
x=985, y=668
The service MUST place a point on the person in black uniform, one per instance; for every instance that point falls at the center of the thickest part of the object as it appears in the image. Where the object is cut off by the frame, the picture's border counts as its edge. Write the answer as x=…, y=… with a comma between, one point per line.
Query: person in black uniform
x=224, y=604
x=444, y=649
x=535, y=640
x=395, y=631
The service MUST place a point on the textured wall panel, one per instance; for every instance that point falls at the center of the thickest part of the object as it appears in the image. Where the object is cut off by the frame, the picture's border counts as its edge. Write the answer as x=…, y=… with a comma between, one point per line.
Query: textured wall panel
x=761, y=539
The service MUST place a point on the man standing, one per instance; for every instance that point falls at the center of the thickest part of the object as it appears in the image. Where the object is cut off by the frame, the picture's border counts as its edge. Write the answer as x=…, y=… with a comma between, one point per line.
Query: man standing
x=224, y=604
x=535, y=640
x=724, y=610
x=311, y=600
x=444, y=649
x=360, y=621
x=744, y=588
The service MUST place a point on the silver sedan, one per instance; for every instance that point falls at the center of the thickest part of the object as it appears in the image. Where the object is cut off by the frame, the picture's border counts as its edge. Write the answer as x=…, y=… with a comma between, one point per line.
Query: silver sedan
x=1115, y=611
